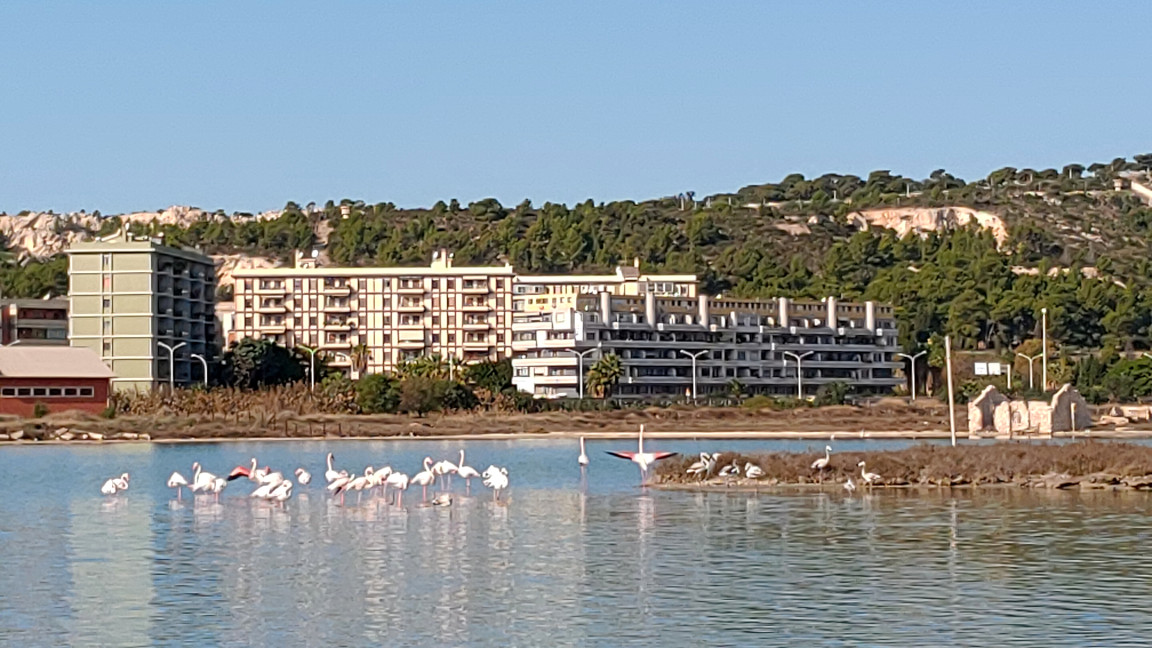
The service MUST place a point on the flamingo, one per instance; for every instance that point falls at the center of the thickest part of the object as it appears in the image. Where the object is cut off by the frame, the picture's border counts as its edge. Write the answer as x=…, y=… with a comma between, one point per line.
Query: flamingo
x=850, y=485
x=264, y=491
x=868, y=477
x=730, y=470
x=496, y=479
x=303, y=476
x=338, y=484
x=177, y=481
x=115, y=485
x=247, y=472
x=443, y=499
x=443, y=468
x=821, y=464
x=202, y=480
x=424, y=477
x=641, y=458
x=357, y=484
x=399, y=481
x=583, y=458
x=265, y=477
x=331, y=475
x=752, y=471
x=466, y=472
x=283, y=492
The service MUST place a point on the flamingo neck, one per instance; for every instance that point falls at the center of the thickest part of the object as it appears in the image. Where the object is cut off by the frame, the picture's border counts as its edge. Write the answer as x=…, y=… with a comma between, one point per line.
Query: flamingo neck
x=461, y=457
x=329, y=461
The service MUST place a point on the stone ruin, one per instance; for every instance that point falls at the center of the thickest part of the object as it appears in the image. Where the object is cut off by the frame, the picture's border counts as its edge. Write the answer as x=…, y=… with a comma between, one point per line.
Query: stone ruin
x=991, y=411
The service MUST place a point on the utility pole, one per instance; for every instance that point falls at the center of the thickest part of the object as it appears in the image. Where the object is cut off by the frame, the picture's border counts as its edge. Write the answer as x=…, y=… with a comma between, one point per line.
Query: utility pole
x=694, y=356
x=912, y=359
x=951, y=397
x=799, y=371
x=1044, y=336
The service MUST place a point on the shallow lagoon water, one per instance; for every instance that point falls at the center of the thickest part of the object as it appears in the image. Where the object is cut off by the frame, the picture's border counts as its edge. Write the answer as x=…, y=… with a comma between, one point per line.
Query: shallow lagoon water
x=565, y=560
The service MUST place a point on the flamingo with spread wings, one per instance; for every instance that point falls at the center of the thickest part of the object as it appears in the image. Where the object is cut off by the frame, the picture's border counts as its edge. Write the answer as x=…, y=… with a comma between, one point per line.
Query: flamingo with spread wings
x=641, y=458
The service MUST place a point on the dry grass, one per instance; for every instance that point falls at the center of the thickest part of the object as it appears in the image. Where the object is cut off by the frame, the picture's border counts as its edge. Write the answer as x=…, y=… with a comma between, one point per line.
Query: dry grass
x=1002, y=463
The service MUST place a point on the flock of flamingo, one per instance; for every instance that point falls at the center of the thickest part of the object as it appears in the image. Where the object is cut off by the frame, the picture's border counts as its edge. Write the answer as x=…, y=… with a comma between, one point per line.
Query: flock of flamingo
x=705, y=468
x=273, y=486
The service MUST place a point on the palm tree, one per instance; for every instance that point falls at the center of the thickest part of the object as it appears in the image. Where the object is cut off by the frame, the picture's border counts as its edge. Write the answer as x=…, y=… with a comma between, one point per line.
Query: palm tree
x=604, y=375
x=360, y=357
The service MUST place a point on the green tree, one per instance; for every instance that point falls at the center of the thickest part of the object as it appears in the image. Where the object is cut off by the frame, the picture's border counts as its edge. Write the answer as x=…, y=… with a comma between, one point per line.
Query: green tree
x=258, y=363
x=377, y=394
x=603, y=376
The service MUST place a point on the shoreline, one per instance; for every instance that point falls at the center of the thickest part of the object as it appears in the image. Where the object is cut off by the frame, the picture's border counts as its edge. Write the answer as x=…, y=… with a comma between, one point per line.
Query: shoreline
x=717, y=435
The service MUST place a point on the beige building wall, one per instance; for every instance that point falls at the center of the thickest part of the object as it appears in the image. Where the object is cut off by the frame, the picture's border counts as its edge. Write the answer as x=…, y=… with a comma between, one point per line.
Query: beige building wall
x=129, y=294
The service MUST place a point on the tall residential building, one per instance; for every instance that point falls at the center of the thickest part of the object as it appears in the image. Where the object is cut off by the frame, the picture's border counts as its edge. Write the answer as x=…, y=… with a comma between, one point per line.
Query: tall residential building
x=400, y=313
x=34, y=321
x=129, y=294
x=394, y=314
x=662, y=340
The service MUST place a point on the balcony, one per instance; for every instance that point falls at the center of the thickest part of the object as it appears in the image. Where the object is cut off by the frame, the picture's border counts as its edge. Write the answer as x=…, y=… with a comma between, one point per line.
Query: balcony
x=338, y=307
x=410, y=306
x=475, y=325
x=475, y=288
x=410, y=287
x=272, y=329
x=339, y=325
x=272, y=308
x=410, y=345
x=475, y=306
x=271, y=289
x=343, y=290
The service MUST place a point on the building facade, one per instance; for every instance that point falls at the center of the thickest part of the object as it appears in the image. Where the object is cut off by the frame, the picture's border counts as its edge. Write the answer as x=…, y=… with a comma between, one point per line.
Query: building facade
x=368, y=320
x=130, y=295
x=662, y=341
x=34, y=321
x=58, y=378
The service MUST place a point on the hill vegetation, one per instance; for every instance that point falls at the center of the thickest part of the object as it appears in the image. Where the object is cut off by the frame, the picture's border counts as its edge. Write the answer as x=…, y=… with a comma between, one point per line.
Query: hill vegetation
x=1075, y=244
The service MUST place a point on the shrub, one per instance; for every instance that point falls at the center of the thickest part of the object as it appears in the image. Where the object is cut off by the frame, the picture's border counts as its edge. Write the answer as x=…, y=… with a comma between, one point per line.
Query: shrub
x=39, y=410
x=109, y=412
x=759, y=401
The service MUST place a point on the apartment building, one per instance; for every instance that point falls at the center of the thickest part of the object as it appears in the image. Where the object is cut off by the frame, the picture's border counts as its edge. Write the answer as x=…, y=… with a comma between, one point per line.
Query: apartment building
x=130, y=295
x=662, y=340
x=395, y=314
x=34, y=322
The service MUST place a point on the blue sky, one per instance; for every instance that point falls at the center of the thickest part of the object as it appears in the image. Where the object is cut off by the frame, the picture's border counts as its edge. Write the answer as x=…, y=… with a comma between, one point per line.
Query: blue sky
x=122, y=106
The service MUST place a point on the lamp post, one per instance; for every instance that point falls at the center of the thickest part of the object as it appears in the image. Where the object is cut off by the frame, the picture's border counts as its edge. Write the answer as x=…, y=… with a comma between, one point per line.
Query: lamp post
x=311, y=366
x=1044, y=337
x=799, y=371
x=1030, y=359
x=205, y=363
x=912, y=359
x=580, y=362
x=171, y=364
x=694, y=357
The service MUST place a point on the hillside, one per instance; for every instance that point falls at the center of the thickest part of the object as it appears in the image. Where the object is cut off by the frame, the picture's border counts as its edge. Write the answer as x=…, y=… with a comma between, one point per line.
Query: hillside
x=973, y=259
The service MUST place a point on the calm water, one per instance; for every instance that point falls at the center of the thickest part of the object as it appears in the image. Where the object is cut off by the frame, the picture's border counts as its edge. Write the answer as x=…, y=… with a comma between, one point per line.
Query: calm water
x=562, y=562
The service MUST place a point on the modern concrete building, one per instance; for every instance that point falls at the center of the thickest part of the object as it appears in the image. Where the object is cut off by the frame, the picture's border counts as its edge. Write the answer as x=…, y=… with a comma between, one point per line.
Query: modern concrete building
x=129, y=295
x=397, y=314
x=746, y=340
x=34, y=321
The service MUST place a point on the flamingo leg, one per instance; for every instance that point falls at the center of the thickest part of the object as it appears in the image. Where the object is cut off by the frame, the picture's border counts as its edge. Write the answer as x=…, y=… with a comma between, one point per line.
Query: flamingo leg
x=425, y=487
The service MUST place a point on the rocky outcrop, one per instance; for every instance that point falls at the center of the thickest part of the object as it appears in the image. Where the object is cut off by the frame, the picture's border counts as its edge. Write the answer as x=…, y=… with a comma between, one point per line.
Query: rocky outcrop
x=922, y=220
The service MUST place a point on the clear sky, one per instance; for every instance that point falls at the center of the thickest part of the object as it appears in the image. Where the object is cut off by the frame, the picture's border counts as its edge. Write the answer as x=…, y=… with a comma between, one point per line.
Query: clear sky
x=243, y=106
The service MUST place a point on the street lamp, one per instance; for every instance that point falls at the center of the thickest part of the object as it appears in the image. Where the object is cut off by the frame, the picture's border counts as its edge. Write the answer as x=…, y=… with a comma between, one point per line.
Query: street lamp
x=580, y=361
x=912, y=359
x=205, y=363
x=799, y=371
x=1030, y=359
x=694, y=357
x=1044, y=337
x=311, y=366
x=171, y=364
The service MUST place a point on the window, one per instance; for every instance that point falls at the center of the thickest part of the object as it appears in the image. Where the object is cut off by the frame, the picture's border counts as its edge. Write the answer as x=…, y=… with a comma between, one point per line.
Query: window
x=435, y=284
x=39, y=391
x=54, y=391
x=451, y=338
x=86, y=391
x=522, y=372
x=435, y=338
x=107, y=347
x=106, y=303
x=297, y=285
x=69, y=391
x=8, y=391
x=24, y=391
x=451, y=284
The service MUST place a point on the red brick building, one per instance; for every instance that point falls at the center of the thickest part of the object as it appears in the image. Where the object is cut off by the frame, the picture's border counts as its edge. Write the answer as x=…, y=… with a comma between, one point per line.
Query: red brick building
x=62, y=378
